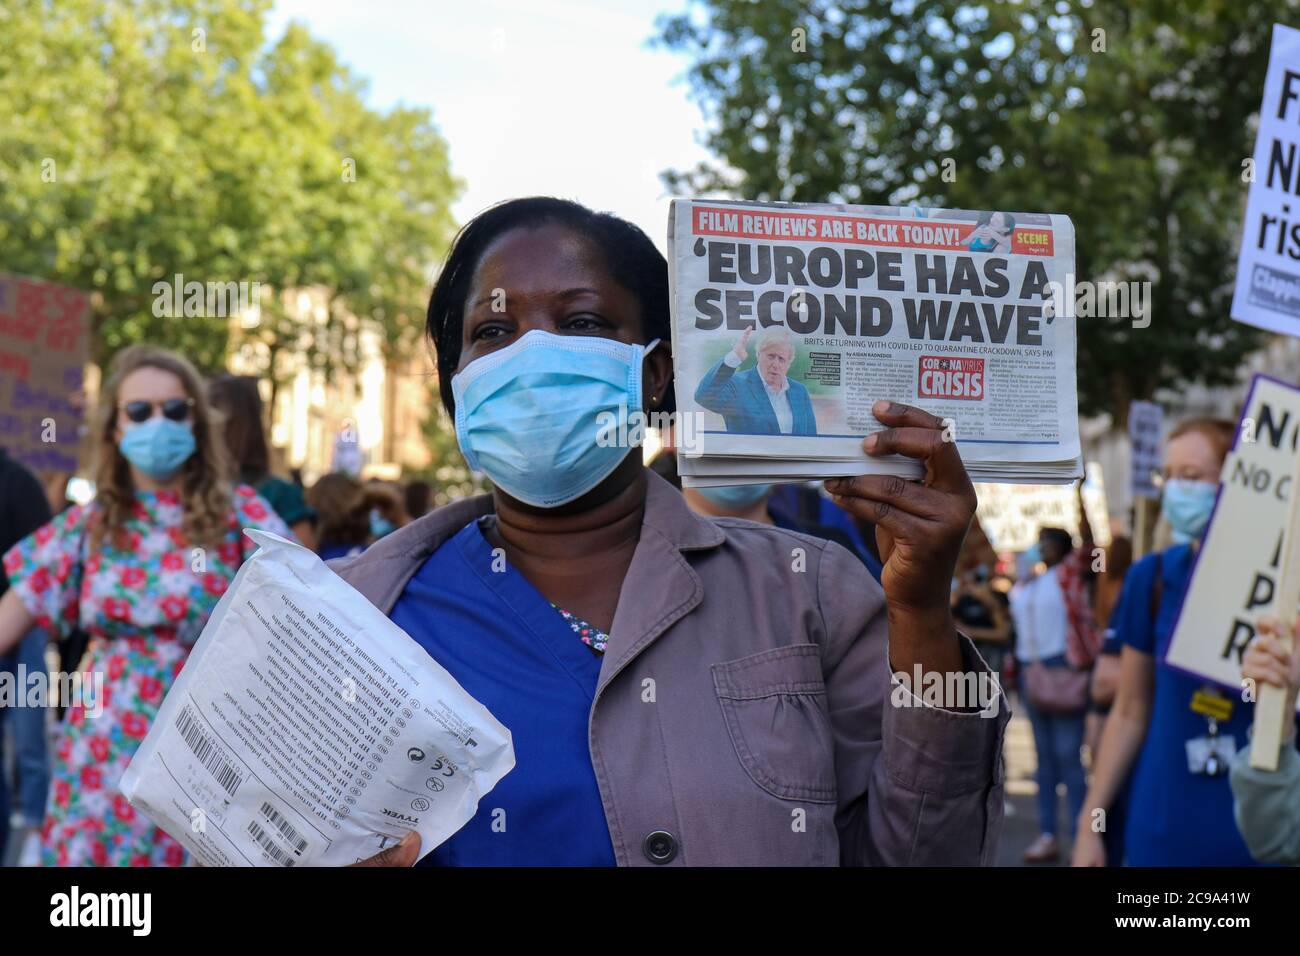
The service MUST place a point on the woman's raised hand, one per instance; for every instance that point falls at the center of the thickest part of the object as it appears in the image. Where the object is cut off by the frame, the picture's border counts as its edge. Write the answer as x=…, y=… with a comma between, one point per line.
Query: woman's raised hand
x=1268, y=662
x=920, y=526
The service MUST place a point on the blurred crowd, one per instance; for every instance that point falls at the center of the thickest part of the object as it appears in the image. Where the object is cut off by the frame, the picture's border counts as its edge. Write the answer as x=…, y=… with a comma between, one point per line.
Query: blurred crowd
x=1142, y=753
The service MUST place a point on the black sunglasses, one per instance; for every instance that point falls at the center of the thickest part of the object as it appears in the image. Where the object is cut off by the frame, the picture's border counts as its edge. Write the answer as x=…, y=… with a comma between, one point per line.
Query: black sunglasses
x=177, y=409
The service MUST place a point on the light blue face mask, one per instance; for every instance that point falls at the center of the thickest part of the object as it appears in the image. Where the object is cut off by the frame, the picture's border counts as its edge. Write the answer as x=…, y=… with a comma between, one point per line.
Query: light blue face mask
x=158, y=447
x=1186, y=505
x=1031, y=556
x=541, y=416
x=735, y=496
x=379, y=525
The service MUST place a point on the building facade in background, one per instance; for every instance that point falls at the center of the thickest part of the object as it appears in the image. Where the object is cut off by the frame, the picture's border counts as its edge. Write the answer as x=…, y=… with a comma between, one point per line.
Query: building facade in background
x=368, y=413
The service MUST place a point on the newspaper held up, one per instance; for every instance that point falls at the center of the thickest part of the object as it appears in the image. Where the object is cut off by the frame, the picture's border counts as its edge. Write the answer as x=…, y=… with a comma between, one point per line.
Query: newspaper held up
x=307, y=729
x=791, y=320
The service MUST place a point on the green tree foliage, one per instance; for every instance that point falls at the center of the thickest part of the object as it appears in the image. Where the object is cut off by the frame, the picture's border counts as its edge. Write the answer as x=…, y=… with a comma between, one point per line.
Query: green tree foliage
x=146, y=138
x=1132, y=118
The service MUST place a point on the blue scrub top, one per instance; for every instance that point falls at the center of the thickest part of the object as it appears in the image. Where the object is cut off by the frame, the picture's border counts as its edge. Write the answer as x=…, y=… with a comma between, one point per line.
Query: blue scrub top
x=329, y=550
x=509, y=648
x=1176, y=818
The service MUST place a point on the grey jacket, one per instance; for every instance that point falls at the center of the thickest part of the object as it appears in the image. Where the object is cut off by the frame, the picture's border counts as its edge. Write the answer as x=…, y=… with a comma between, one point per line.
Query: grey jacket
x=745, y=713
x=1267, y=805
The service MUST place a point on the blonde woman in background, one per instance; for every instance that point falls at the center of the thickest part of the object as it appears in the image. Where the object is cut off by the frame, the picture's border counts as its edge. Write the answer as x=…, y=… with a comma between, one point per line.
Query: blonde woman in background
x=139, y=568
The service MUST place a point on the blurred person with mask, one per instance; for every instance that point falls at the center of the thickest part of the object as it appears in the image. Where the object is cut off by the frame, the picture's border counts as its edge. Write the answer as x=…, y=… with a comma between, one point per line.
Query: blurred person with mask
x=387, y=507
x=140, y=568
x=1056, y=644
x=751, y=503
x=1176, y=734
x=345, y=518
x=979, y=611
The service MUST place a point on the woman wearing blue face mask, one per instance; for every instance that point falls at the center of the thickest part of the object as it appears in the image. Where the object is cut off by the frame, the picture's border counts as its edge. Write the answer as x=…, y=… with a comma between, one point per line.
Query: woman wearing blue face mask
x=1174, y=733
x=139, y=569
x=678, y=690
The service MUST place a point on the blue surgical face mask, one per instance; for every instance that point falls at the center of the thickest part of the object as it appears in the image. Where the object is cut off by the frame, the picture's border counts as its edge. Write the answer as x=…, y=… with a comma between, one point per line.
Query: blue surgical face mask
x=542, y=417
x=1186, y=506
x=158, y=447
x=1029, y=560
x=379, y=525
x=735, y=496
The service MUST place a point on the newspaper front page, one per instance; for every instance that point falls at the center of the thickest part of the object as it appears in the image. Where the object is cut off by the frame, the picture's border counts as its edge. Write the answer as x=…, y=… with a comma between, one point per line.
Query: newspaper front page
x=791, y=320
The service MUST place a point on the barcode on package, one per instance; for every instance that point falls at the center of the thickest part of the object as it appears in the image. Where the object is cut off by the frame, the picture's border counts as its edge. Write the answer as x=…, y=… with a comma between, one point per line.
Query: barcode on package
x=276, y=853
x=286, y=829
x=205, y=749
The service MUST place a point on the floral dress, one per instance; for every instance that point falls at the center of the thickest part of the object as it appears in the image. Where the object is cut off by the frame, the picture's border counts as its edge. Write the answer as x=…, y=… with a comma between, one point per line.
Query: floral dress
x=143, y=605
x=589, y=634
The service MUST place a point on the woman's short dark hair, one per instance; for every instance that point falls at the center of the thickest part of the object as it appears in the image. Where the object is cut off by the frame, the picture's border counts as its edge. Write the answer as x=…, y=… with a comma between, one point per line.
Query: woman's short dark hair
x=1060, y=537
x=239, y=401
x=343, y=509
x=630, y=256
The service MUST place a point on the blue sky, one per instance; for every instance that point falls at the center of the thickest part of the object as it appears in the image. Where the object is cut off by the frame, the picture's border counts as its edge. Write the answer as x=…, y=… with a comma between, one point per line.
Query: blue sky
x=562, y=97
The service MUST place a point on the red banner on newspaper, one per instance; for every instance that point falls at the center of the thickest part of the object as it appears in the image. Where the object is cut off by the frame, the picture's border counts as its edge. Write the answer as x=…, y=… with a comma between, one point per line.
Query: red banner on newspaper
x=941, y=376
x=998, y=234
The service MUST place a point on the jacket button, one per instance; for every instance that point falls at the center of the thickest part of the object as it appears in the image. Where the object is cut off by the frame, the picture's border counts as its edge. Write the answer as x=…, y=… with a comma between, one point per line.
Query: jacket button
x=660, y=847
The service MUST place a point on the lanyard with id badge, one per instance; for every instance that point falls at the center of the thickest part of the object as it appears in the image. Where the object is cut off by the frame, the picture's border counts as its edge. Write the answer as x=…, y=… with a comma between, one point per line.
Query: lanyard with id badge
x=1211, y=754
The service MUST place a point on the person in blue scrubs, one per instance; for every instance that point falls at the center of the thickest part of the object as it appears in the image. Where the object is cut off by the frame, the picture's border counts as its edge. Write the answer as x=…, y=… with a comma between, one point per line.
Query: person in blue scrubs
x=537, y=675
x=544, y=315
x=1174, y=732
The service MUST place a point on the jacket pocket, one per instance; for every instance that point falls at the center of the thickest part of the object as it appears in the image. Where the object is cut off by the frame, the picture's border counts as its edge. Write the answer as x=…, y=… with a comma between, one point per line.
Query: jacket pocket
x=774, y=705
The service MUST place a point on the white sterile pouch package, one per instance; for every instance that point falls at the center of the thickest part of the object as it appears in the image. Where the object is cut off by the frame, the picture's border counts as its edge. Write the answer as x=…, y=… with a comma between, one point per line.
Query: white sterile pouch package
x=307, y=729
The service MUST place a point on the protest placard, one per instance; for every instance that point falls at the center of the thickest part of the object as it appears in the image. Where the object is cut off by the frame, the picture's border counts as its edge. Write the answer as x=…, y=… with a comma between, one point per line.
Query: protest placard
x=1145, y=427
x=1236, y=571
x=1012, y=515
x=791, y=320
x=44, y=334
x=1267, y=292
